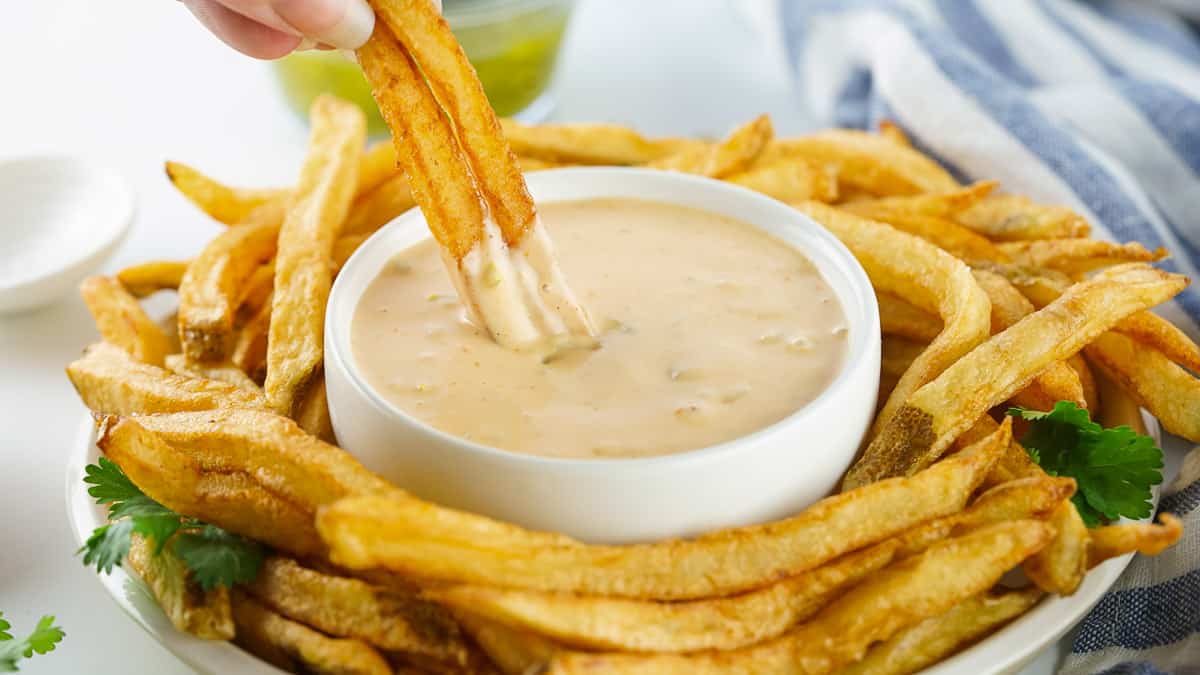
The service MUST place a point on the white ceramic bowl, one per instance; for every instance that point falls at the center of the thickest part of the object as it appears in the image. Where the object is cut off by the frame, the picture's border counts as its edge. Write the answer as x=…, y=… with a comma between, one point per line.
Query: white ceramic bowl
x=766, y=475
x=60, y=218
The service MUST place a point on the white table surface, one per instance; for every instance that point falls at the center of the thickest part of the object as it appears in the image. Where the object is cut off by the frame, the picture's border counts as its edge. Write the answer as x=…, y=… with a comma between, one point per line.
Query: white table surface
x=130, y=83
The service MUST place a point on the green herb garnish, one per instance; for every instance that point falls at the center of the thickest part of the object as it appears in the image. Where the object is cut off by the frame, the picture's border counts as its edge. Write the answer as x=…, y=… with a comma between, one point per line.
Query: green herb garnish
x=41, y=640
x=215, y=556
x=1113, y=468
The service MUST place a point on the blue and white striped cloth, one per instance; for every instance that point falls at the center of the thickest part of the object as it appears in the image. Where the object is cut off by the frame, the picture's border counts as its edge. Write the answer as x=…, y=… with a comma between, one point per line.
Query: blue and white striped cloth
x=1094, y=105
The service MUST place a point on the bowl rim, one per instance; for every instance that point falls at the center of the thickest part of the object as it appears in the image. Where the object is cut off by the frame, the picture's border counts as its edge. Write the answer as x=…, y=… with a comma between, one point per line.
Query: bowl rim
x=115, y=226
x=863, y=328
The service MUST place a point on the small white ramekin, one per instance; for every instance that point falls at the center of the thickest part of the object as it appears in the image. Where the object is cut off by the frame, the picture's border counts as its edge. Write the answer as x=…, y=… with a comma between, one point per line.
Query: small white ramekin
x=769, y=474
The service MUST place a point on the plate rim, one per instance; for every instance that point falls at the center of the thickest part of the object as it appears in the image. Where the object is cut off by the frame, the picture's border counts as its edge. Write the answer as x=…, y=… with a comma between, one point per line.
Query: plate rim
x=1005, y=651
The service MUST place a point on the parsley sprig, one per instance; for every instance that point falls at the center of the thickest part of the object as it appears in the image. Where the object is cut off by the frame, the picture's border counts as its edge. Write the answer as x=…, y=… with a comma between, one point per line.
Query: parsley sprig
x=1113, y=468
x=215, y=556
x=41, y=640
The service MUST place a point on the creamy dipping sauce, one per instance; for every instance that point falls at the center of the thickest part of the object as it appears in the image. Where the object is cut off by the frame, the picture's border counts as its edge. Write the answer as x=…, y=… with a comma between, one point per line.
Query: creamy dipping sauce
x=709, y=329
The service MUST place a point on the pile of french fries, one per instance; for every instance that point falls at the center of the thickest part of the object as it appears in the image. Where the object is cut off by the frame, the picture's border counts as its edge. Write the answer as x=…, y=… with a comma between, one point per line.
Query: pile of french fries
x=987, y=299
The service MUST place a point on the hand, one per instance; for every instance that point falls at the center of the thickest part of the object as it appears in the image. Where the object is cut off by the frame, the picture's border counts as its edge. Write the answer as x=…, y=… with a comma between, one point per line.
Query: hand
x=269, y=29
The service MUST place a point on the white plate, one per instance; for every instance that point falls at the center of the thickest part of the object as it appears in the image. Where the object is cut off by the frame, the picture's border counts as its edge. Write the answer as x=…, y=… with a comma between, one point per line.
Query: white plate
x=1007, y=651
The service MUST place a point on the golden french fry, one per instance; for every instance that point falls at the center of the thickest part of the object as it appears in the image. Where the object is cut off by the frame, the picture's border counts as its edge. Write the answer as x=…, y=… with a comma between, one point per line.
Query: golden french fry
x=377, y=166
x=936, y=204
x=149, y=278
x=919, y=272
x=935, y=638
x=432, y=161
x=345, y=607
x=868, y=163
x=303, y=266
x=250, y=347
x=420, y=27
x=732, y=155
x=534, y=164
x=285, y=643
x=937, y=412
x=899, y=317
x=178, y=364
x=606, y=144
x=122, y=321
x=224, y=204
x=1005, y=217
x=1154, y=381
x=380, y=206
x=410, y=537
x=191, y=609
x=892, y=131
x=899, y=354
x=313, y=414
x=945, y=234
x=1087, y=382
x=214, y=282
x=1058, y=382
x=1112, y=541
x=256, y=292
x=903, y=595
x=345, y=247
x=740, y=620
x=110, y=381
x=790, y=180
x=1059, y=568
x=514, y=652
x=1077, y=256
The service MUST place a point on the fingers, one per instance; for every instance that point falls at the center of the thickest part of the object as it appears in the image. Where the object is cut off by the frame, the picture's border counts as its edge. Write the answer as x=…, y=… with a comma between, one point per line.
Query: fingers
x=246, y=35
x=345, y=24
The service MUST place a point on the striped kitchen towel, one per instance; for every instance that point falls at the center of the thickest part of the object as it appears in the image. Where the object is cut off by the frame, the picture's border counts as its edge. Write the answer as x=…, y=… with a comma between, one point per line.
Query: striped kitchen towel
x=1094, y=105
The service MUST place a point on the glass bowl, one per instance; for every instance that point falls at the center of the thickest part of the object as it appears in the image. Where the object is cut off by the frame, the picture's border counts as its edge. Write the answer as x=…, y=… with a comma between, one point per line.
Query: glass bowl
x=513, y=44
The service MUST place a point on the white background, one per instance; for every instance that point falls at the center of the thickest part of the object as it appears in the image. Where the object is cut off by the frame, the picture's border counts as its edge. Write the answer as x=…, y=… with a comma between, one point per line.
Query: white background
x=130, y=83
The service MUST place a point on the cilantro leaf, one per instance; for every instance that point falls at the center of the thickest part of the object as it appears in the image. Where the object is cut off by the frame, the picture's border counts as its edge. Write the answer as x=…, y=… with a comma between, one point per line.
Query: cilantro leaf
x=4, y=626
x=109, y=483
x=217, y=557
x=214, y=556
x=42, y=640
x=1113, y=468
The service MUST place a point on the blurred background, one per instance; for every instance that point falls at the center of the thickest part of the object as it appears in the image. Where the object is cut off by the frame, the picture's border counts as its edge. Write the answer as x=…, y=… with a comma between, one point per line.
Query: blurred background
x=131, y=83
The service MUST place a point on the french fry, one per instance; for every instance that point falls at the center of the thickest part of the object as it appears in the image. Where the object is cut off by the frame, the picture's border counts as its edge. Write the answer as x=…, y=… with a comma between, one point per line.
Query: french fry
x=211, y=288
x=412, y=538
x=790, y=180
x=224, y=204
x=1006, y=217
x=122, y=322
x=1058, y=382
x=303, y=266
x=191, y=609
x=1077, y=256
x=924, y=644
x=1059, y=568
x=534, y=164
x=514, y=652
x=298, y=648
x=256, y=292
x=936, y=204
x=345, y=607
x=377, y=166
x=313, y=414
x=110, y=381
x=605, y=144
x=420, y=27
x=1154, y=381
x=867, y=162
x=892, y=131
x=899, y=354
x=178, y=364
x=250, y=347
x=149, y=278
x=741, y=620
x=1112, y=541
x=940, y=410
x=730, y=156
x=945, y=234
x=345, y=247
x=380, y=206
x=899, y=317
x=1087, y=382
x=877, y=609
x=432, y=161
x=920, y=273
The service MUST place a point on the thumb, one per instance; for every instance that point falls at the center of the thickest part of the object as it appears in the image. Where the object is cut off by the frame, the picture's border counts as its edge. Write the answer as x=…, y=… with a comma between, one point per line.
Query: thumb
x=345, y=24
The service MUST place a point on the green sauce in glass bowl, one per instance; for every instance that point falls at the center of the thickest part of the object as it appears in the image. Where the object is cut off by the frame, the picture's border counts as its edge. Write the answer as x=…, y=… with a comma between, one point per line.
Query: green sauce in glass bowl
x=513, y=44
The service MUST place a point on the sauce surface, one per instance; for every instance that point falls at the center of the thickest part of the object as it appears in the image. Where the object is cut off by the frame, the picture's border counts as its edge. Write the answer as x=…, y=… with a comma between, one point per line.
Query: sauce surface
x=709, y=330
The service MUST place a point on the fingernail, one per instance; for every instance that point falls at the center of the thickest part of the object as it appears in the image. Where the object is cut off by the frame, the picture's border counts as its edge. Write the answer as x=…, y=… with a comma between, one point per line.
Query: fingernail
x=306, y=44
x=346, y=24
